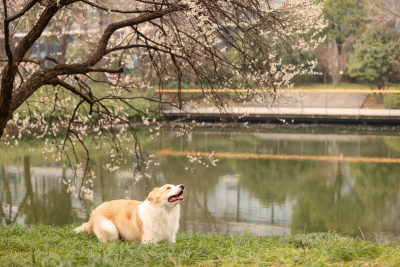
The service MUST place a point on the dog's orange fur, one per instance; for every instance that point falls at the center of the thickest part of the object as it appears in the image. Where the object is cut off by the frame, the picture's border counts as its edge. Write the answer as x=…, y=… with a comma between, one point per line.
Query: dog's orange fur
x=120, y=212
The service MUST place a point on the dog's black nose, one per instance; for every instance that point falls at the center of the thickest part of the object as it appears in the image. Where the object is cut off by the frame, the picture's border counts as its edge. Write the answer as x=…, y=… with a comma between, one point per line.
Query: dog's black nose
x=182, y=186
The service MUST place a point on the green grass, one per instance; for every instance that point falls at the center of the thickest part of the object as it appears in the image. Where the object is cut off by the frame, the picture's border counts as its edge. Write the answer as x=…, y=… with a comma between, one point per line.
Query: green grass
x=45, y=97
x=33, y=148
x=43, y=245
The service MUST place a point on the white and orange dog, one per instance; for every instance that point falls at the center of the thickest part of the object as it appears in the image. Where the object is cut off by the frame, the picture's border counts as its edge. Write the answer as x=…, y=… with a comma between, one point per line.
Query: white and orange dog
x=153, y=220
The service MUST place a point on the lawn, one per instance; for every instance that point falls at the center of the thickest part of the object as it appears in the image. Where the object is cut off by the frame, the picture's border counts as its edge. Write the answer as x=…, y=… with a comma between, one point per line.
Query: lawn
x=59, y=246
x=44, y=99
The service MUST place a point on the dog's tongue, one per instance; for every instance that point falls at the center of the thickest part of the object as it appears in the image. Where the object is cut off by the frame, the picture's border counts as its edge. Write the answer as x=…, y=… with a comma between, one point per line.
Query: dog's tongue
x=176, y=197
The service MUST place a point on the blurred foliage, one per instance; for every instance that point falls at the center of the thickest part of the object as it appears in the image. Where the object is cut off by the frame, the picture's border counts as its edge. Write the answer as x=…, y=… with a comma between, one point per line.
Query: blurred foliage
x=283, y=51
x=344, y=17
x=376, y=57
x=392, y=101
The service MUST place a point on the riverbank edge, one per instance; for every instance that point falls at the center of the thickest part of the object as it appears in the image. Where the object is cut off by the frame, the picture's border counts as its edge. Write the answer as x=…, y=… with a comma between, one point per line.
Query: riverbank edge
x=46, y=245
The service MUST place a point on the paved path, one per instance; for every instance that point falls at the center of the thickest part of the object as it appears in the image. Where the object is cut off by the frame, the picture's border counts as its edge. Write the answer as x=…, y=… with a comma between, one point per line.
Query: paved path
x=248, y=111
x=313, y=115
x=315, y=100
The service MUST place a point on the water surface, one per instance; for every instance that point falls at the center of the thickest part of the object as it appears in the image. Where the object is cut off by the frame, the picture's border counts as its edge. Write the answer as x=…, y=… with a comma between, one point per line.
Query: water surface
x=265, y=182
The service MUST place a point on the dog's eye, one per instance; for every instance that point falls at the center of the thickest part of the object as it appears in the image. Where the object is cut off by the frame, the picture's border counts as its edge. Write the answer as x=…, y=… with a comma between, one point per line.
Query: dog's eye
x=168, y=188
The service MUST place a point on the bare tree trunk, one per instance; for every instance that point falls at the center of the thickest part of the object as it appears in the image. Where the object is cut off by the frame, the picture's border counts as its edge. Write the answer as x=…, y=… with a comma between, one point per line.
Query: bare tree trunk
x=7, y=84
x=63, y=47
x=325, y=77
x=334, y=66
x=101, y=76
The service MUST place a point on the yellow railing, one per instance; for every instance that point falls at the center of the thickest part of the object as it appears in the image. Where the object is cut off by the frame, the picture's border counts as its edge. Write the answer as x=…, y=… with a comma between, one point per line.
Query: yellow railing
x=346, y=91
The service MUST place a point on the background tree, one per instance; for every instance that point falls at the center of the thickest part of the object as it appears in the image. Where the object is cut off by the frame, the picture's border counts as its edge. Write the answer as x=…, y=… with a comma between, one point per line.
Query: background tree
x=166, y=40
x=345, y=19
x=377, y=55
x=377, y=51
x=381, y=12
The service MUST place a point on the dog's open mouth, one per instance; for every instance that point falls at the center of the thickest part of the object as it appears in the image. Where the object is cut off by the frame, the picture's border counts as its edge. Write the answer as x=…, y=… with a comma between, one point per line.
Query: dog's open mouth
x=176, y=197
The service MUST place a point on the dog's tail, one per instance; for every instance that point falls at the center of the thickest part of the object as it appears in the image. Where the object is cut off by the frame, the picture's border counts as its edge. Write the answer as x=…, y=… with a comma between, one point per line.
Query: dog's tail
x=86, y=227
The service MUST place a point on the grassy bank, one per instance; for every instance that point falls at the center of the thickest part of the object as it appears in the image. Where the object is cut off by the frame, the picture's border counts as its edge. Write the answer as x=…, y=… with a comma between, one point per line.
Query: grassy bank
x=59, y=246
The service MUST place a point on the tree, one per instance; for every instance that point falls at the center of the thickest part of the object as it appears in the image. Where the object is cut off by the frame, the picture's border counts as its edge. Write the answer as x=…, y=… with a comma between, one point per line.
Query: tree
x=382, y=12
x=345, y=20
x=377, y=55
x=167, y=40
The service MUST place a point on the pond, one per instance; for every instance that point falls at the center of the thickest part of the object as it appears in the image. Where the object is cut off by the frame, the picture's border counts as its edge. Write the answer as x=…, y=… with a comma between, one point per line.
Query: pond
x=272, y=181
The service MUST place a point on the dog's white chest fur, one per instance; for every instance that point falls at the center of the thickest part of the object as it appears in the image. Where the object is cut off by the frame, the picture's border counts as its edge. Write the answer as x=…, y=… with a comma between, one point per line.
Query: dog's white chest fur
x=159, y=223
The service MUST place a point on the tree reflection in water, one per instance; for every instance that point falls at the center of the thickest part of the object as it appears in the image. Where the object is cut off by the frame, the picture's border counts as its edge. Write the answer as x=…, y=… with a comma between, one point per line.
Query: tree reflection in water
x=53, y=207
x=328, y=196
x=269, y=195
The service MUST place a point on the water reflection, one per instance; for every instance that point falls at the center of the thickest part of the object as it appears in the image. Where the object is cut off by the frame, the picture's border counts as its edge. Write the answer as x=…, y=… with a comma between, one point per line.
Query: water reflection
x=29, y=200
x=258, y=194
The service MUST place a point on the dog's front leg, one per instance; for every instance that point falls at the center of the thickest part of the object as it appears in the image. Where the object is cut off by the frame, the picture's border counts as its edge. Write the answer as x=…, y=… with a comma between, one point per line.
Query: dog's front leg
x=172, y=240
x=146, y=239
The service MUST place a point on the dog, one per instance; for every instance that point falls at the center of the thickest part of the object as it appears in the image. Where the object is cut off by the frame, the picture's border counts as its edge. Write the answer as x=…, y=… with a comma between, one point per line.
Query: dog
x=154, y=220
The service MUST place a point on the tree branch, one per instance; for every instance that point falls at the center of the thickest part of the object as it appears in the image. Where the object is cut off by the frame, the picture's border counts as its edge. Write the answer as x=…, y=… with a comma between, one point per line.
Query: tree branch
x=7, y=34
x=37, y=30
x=73, y=90
x=114, y=10
x=41, y=62
x=382, y=6
x=49, y=76
x=102, y=48
x=118, y=48
x=25, y=9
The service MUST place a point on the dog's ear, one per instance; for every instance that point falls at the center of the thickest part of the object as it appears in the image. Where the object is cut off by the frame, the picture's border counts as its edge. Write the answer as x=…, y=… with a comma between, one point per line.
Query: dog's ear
x=150, y=197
